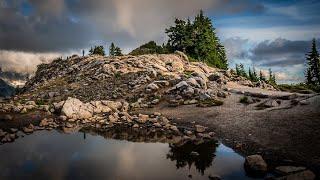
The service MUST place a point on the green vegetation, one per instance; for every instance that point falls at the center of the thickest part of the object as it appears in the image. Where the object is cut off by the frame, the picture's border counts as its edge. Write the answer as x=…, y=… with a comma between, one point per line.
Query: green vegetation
x=244, y=100
x=115, y=50
x=313, y=66
x=198, y=40
x=252, y=75
x=241, y=71
x=301, y=88
x=149, y=48
x=272, y=78
x=210, y=103
x=117, y=75
x=40, y=102
x=99, y=50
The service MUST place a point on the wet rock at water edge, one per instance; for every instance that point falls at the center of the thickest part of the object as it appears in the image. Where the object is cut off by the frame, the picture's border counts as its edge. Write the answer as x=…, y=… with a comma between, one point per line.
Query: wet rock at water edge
x=7, y=117
x=284, y=170
x=255, y=165
x=303, y=175
x=210, y=177
x=28, y=129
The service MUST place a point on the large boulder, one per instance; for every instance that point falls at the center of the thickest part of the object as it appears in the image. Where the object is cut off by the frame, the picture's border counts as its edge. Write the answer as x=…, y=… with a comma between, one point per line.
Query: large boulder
x=75, y=109
x=255, y=165
x=99, y=107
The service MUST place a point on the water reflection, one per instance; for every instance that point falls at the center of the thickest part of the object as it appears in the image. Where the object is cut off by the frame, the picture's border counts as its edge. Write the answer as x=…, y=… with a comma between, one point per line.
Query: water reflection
x=83, y=155
x=201, y=155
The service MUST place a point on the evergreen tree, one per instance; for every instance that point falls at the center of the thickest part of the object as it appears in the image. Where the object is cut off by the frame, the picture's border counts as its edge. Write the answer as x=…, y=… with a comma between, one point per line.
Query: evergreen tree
x=238, y=70
x=198, y=40
x=250, y=75
x=261, y=77
x=243, y=72
x=117, y=51
x=149, y=48
x=272, y=77
x=98, y=50
x=112, y=49
x=308, y=77
x=313, y=62
x=254, y=75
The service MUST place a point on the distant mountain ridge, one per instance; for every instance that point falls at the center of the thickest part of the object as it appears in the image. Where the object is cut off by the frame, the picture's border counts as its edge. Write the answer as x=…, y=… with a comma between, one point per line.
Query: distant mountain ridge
x=5, y=89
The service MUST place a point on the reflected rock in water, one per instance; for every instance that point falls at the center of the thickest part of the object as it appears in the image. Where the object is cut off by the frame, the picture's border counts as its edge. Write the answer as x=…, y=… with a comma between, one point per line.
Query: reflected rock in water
x=133, y=135
x=189, y=153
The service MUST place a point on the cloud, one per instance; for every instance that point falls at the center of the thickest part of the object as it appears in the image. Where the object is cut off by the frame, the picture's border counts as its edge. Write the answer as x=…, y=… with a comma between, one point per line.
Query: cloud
x=23, y=62
x=280, y=52
x=236, y=48
x=62, y=25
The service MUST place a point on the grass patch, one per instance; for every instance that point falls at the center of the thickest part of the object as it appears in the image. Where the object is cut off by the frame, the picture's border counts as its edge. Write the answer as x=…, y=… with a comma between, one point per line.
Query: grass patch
x=244, y=100
x=117, y=75
x=40, y=102
x=188, y=74
x=299, y=88
x=210, y=103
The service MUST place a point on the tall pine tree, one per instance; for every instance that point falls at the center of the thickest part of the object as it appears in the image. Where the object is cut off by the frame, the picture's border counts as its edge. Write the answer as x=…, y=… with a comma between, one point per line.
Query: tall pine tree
x=112, y=49
x=313, y=63
x=198, y=40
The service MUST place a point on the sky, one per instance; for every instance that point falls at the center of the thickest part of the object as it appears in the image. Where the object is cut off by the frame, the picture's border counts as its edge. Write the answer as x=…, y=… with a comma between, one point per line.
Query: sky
x=261, y=33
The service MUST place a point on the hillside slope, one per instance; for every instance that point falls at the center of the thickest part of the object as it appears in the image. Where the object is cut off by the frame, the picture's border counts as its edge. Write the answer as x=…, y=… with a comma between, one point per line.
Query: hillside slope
x=143, y=80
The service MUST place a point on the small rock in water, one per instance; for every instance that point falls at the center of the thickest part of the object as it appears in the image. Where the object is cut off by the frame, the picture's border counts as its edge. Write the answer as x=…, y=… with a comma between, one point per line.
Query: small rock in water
x=214, y=177
x=7, y=117
x=28, y=129
x=135, y=126
x=255, y=165
x=44, y=122
x=13, y=130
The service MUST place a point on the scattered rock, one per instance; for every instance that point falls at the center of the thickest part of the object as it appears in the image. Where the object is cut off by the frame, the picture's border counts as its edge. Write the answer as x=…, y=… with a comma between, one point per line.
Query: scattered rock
x=200, y=129
x=271, y=103
x=44, y=122
x=157, y=125
x=304, y=175
x=214, y=177
x=143, y=118
x=284, y=170
x=62, y=118
x=74, y=108
x=174, y=128
x=7, y=117
x=28, y=129
x=255, y=165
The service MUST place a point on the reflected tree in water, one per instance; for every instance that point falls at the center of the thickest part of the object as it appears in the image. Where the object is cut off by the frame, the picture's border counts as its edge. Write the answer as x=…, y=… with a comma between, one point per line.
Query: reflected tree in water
x=201, y=155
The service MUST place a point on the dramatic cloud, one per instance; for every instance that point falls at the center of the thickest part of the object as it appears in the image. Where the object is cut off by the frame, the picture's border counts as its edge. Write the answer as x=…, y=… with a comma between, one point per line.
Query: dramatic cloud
x=22, y=62
x=280, y=52
x=236, y=48
x=60, y=25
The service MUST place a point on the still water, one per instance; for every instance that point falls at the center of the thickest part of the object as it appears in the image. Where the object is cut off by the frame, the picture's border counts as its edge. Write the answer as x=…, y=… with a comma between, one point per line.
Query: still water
x=55, y=155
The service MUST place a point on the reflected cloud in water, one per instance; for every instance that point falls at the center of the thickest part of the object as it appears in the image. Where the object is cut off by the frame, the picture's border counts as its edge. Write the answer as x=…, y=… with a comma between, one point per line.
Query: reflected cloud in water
x=54, y=155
